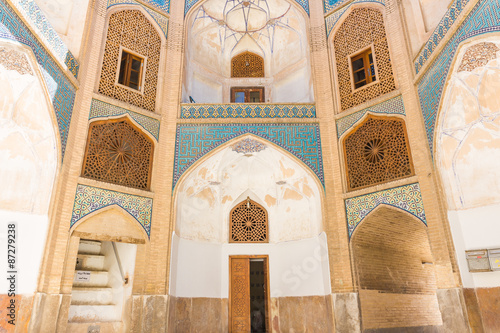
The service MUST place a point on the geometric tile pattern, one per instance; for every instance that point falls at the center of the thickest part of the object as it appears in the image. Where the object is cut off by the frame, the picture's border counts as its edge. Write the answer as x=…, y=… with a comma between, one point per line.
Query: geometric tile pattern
x=193, y=141
x=331, y=4
x=334, y=17
x=88, y=199
x=32, y=13
x=392, y=106
x=190, y=3
x=407, y=198
x=61, y=90
x=159, y=18
x=437, y=35
x=101, y=109
x=204, y=111
x=484, y=18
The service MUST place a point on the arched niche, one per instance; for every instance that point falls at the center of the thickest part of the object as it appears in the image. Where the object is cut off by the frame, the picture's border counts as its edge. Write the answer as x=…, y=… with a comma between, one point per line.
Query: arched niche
x=277, y=32
x=29, y=155
x=467, y=153
x=288, y=191
x=393, y=261
x=248, y=167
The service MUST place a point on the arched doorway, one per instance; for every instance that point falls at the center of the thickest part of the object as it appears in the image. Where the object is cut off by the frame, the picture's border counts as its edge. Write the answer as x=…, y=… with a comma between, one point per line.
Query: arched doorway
x=249, y=170
x=394, y=269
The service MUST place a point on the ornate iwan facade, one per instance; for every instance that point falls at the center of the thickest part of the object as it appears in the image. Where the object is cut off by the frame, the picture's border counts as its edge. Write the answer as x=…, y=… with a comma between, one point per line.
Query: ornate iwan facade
x=250, y=165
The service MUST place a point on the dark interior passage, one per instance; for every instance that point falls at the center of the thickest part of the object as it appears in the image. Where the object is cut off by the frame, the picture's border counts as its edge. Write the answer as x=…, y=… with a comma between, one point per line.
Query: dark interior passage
x=258, y=295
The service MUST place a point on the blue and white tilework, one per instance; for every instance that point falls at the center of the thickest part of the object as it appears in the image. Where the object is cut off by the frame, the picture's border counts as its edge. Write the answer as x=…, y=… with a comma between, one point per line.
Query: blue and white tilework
x=101, y=109
x=334, y=17
x=195, y=141
x=159, y=18
x=89, y=199
x=392, y=106
x=204, y=111
x=407, y=198
x=328, y=5
x=61, y=90
x=248, y=145
x=484, y=18
x=442, y=28
x=39, y=23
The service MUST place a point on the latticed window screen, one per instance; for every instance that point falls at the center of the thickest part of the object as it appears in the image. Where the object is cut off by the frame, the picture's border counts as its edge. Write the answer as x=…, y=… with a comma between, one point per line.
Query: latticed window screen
x=376, y=152
x=247, y=64
x=132, y=30
x=248, y=223
x=117, y=152
x=362, y=28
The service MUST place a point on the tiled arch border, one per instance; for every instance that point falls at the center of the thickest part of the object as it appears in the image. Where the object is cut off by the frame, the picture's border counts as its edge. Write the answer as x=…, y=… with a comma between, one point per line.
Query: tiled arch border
x=484, y=18
x=61, y=90
x=333, y=18
x=406, y=197
x=193, y=141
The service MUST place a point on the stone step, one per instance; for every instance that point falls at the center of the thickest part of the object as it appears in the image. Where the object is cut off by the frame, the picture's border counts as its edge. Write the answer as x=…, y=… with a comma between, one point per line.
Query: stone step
x=91, y=296
x=89, y=262
x=98, y=315
x=89, y=247
x=90, y=278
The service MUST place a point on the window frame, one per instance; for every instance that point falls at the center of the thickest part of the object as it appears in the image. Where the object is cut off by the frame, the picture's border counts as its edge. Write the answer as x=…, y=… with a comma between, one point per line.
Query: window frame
x=247, y=91
x=142, y=73
x=363, y=53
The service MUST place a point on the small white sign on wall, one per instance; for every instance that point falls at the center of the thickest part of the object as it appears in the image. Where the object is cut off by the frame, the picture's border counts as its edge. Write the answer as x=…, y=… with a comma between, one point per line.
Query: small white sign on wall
x=82, y=276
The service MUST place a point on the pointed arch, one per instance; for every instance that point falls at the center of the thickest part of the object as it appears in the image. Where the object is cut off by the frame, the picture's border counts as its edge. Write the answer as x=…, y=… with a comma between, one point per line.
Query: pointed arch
x=248, y=223
x=110, y=223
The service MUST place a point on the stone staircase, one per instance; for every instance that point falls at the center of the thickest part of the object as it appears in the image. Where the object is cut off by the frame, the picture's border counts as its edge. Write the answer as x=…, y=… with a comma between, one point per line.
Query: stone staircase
x=92, y=297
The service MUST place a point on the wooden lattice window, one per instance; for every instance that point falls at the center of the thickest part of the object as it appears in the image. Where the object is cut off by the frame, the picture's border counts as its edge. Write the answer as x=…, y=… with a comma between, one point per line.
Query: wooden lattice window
x=377, y=151
x=248, y=223
x=131, y=30
x=247, y=64
x=362, y=29
x=117, y=152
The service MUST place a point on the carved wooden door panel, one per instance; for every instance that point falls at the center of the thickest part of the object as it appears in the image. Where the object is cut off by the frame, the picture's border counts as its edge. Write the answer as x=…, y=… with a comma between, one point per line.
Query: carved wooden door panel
x=240, y=295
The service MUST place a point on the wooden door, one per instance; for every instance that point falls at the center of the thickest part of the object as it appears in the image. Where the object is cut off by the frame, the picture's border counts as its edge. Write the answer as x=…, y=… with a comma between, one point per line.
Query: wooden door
x=249, y=296
x=239, y=295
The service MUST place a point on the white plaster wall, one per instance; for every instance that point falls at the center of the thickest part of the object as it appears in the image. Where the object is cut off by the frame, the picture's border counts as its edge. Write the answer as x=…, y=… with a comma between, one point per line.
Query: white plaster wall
x=68, y=18
x=28, y=164
x=209, y=54
x=30, y=243
x=296, y=268
x=433, y=11
x=468, y=158
x=121, y=291
x=284, y=188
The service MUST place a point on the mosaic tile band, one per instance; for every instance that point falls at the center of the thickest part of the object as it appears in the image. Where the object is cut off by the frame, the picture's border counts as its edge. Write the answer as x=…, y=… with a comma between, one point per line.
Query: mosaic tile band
x=484, y=18
x=32, y=13
x=438, y=34
x=205, y=111
x=392, y=106
x=195, y=141
x=334, y=17
x=159, y=18
x=61, y=91
x=101, y=109
x=190, y=3
x=407, y=198
x=89, y=199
